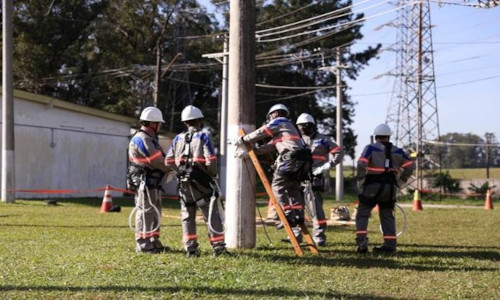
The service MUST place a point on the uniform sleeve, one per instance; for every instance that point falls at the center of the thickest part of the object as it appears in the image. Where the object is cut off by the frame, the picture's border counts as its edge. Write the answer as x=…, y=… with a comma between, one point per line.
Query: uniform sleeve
x=335, y=152
x=258, y=134
x=149, y=154
x=407, y=167
x=362, y=165
x=265, y=149
x=170, y=157
x=209, y=154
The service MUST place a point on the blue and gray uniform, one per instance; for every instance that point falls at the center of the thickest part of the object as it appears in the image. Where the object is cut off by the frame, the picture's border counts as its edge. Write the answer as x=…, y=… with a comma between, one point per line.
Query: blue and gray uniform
x=286, y=140
x=147, y=161
x=380, y=168
x=192, y=155
x=325, y=154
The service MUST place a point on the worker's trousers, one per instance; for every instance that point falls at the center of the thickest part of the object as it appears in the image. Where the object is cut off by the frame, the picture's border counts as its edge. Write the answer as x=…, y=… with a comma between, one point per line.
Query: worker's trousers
x=147, y=218
x=191, y=200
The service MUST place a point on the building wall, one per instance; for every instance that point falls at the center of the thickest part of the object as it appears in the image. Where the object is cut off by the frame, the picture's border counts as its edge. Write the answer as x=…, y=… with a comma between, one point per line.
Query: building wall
x=63, y=149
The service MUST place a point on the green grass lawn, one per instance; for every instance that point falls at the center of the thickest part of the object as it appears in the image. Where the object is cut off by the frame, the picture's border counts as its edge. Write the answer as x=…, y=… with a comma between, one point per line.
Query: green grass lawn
x=71, y=251
x=454, y=173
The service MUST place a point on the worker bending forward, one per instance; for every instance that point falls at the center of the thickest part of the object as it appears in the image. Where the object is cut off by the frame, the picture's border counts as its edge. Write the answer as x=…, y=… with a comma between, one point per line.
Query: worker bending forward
x=292, y=164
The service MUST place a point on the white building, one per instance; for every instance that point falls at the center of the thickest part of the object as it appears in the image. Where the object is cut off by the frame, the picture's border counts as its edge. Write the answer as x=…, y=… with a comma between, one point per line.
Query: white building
x=61, y=146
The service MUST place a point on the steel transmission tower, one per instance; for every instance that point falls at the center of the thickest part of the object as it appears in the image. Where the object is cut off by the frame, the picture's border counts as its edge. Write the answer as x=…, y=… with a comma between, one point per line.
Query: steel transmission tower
x=413, y=112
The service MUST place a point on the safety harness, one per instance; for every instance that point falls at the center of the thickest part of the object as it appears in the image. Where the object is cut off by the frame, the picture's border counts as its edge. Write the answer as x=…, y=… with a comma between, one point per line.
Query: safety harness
x=188, y=172
x=297, y=164
x=140, y=179
x=137, y=173
x=388, y=177
x=200, y=181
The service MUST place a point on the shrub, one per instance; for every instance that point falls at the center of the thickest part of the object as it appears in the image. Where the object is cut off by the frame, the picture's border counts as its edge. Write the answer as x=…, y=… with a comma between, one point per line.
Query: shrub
x=481, y=190
x=446, y=182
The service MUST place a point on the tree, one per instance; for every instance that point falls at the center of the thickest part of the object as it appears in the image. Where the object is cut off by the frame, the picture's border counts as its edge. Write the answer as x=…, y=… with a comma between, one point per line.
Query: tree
x=291, y=52
x=461, y=150
x=103, y=53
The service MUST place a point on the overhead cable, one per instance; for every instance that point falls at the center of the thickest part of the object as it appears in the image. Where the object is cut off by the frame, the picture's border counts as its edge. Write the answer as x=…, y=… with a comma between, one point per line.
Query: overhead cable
x=335, y=16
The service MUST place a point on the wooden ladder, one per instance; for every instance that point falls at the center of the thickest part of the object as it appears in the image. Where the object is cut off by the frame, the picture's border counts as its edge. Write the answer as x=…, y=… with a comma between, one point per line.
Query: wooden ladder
x=279, y=210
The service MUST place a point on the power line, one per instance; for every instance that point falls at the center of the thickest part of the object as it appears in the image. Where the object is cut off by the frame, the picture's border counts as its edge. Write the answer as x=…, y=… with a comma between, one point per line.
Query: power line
x=349, y=24
x=312, y=21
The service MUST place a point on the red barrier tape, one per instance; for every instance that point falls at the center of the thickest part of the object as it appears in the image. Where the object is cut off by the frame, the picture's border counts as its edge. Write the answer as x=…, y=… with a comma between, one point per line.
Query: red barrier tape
x=58, y=191
x=110, y=188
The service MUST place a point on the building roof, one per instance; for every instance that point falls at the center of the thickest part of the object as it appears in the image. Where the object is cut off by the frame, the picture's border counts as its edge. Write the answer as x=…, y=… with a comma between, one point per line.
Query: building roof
x=73, y=107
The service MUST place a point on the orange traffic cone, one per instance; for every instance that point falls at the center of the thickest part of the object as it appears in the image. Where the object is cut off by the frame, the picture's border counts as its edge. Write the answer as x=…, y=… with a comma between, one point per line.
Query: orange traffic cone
x=417, y=204
x=107, y=201
x=488, y=204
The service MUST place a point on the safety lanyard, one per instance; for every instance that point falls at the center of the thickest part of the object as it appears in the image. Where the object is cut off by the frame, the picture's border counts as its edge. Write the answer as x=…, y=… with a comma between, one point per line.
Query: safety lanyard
x=388, y=157
x=186, y=152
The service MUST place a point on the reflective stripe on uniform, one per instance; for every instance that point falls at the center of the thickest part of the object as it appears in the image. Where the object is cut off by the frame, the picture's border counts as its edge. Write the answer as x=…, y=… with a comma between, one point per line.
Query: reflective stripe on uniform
x=390, y=237
x=217, y=238
x=361, y=231
x=147, y=159
x=268, y=131
x=319, y=157
x=191, y=237
x=320, y=222
x=287, y=138
x=141, y=235
x=335, y=150
x=407, y=164
x=364, y=160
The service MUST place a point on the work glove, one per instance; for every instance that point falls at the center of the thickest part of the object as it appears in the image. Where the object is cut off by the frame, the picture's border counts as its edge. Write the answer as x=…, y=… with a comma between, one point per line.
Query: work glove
x=170, y=176
x=242, y=154
x=324, y=167
x=237, y=141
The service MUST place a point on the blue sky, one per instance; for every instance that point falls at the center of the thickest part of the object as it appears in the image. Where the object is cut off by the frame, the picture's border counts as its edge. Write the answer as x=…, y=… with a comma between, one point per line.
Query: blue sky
x=466, y=43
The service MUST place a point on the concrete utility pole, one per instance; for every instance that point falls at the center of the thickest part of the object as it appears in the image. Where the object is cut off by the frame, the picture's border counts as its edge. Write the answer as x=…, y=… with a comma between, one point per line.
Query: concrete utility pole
x=223, y=112
x=159, y=50
x=339, y=175
x=240, y=198
x=8, y=162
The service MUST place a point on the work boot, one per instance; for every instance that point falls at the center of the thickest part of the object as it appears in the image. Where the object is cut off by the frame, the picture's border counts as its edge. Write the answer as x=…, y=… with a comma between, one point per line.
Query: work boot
x=192, y=253
x=222, y=251
x=158, y=245
x=362, y=245
x=299, y=217
x=321, y=243
x=148, y=251
x=362, y=250
x=383, y=249
x=291, y=218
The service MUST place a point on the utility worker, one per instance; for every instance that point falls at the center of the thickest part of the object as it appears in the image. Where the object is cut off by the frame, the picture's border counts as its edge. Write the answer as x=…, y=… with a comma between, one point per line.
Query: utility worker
x=145, y=174
x=381, y=168
x=292, y=164
x=325, y=154
x=192, y=155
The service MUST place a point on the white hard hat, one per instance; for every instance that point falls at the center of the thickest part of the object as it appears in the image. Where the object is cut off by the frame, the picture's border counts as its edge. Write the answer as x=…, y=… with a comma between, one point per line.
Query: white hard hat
x=151, y=114
x=305, y=118
x=382, y=129
x=278, y=107
x=191, y=112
